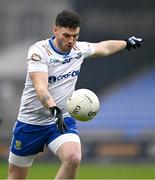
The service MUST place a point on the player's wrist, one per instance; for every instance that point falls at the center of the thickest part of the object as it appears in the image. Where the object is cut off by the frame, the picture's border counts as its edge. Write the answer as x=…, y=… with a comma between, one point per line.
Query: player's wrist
x=126, y=43
x=55, y=110
x=128, y=46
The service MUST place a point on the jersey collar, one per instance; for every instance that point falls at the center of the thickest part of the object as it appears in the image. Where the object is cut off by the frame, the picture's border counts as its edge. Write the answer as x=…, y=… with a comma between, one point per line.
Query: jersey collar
x=55, y=48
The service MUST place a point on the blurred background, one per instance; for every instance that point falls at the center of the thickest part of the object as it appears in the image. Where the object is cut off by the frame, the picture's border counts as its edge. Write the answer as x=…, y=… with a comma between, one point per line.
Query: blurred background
x=124, y=128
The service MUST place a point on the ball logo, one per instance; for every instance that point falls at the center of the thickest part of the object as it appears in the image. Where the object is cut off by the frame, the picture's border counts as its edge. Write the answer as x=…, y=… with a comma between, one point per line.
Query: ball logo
x=91, y=113
x=76, y=110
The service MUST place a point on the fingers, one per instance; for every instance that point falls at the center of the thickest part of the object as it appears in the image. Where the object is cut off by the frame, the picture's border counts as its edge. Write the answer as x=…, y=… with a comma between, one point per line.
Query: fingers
x=58, y=118
x=134, y=42
x=61, y=126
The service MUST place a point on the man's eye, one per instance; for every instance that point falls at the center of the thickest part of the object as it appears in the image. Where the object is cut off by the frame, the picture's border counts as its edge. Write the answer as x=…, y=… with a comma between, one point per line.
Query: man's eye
x=66, y=35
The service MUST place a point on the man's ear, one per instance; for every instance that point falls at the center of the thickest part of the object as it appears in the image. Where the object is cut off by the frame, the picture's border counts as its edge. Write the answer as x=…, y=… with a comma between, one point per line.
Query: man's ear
x=55, y=29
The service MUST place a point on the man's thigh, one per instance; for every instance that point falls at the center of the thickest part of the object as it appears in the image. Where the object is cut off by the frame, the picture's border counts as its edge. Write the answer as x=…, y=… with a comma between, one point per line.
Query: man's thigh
x=71, y=136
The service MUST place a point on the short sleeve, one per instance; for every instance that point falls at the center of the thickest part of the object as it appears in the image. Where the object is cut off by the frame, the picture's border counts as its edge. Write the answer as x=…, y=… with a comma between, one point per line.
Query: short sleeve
x=36, y=60
x=87, y=48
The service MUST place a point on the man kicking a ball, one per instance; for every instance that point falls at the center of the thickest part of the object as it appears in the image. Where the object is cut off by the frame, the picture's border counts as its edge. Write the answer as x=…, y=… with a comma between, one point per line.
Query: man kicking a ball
x=53, y=66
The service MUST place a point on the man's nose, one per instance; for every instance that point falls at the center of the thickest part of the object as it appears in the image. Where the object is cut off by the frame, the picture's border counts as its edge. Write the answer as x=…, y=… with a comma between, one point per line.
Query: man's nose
x=71, y=39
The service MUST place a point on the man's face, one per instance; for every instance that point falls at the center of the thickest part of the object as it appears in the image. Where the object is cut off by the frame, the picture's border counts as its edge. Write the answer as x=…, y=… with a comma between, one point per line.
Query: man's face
x=65, y=37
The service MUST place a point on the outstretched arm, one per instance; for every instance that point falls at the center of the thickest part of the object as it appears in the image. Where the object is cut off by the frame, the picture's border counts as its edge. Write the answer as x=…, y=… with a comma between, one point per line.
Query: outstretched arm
x=106, y=48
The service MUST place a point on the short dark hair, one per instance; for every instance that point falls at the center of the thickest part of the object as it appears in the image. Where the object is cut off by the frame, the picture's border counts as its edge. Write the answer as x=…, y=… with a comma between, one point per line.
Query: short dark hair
x=68, y=18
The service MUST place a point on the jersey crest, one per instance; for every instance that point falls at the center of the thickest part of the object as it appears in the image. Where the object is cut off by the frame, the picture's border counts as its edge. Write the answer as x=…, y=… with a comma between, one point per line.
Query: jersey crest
x=18, y=145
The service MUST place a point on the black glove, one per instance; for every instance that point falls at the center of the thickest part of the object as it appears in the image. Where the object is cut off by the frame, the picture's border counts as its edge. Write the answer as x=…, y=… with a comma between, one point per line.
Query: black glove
x=59, y=120
x=133, y=42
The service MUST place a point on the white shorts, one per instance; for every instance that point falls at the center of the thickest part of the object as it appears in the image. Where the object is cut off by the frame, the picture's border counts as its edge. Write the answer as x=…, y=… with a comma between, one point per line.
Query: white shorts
x=26, y=161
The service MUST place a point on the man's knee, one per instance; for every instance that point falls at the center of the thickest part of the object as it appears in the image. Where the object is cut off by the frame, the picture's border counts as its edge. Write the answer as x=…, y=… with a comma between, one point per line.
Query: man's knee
x=70, y=154
x=73, y=160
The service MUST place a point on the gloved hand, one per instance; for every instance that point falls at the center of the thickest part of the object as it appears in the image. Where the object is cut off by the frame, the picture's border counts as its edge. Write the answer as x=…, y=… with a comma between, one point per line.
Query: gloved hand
x=59, y=120
x=133, y=42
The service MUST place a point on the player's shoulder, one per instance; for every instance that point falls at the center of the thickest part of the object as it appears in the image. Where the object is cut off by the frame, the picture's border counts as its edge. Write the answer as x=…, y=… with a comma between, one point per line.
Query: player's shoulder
x=40, y=47
x=40, y=43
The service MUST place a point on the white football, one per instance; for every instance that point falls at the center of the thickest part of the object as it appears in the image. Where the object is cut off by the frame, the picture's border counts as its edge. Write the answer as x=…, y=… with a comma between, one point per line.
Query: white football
x=83, y=105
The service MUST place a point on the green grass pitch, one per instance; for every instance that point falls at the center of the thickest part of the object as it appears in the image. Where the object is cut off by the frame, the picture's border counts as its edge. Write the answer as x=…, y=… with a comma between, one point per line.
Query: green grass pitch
x=90, y=171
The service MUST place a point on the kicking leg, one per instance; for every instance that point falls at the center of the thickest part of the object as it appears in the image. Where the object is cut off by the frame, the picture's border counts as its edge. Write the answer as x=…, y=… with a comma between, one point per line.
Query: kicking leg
x=70, y=156
x=68, y=148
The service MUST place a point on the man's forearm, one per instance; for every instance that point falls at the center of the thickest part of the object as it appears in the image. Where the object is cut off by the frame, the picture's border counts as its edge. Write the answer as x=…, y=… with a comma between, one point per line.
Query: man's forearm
x=113, y=46
x=46, y=99
x=106, y=48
